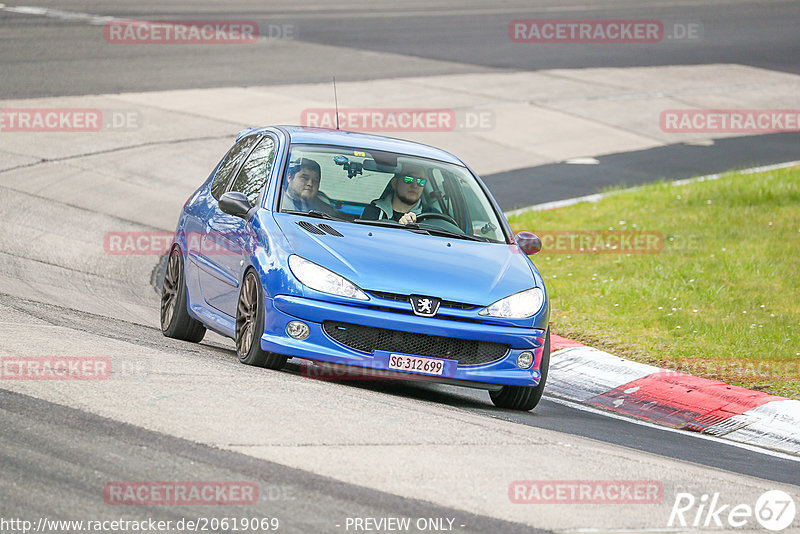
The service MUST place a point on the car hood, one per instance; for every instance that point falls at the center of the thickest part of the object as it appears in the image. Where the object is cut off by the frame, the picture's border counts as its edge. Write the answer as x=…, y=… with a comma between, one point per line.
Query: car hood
x=403, y=262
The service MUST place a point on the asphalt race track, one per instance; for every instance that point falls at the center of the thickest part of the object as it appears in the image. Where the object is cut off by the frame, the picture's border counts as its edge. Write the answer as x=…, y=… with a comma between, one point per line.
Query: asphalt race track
x=50, y=58
x=323, y=452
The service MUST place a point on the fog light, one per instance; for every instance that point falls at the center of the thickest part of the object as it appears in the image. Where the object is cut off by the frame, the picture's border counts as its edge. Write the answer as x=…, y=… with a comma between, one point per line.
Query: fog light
x=298, y=330
x=525, y=360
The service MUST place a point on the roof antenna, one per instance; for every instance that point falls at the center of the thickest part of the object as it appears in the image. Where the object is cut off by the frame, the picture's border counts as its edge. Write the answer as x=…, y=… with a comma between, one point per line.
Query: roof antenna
x=336, y=101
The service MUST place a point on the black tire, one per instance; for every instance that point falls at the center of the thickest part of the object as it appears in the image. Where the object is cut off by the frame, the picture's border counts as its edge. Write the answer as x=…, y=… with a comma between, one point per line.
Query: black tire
x=522, y=397
x=175, y=319
x=250, y=326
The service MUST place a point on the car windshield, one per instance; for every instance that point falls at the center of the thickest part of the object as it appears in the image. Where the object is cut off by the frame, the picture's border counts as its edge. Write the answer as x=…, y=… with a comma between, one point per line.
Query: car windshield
x=375, y=187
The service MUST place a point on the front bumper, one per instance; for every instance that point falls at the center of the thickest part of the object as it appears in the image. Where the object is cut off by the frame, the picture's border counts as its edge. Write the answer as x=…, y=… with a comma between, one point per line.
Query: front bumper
x=320, y=346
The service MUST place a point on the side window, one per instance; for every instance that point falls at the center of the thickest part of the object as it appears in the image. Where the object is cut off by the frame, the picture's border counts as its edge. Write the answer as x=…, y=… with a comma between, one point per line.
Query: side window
x=255, y=171
x=229, y=164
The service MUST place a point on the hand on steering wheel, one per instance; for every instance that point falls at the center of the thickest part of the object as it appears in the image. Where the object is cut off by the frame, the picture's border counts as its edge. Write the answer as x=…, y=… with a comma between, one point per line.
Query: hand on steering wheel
x=409, y=217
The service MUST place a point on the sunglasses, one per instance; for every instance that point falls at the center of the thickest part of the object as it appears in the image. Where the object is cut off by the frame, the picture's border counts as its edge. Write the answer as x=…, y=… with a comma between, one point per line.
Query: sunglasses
x=420, y=181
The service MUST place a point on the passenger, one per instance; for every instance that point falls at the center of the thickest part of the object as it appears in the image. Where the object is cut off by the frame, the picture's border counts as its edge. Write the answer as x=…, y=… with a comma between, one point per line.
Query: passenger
x=404, y=202
x=303, y=189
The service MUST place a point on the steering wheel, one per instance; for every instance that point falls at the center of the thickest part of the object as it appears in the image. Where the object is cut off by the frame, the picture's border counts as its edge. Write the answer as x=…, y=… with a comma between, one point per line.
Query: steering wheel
x=435, y=215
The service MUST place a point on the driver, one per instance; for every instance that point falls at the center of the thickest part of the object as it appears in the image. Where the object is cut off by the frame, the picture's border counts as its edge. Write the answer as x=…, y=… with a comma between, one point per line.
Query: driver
x=303, y=188
x=403, y=203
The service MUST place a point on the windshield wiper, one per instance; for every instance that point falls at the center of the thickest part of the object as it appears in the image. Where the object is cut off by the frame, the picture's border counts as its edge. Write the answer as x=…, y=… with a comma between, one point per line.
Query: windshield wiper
x=384, y=222
x=435, y=230
x=314, y=213
x=391, y=223
x=422, y=228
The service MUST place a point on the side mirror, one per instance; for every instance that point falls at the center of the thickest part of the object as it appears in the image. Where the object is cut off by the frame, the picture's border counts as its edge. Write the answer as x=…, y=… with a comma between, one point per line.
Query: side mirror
x=236, y=204
x=529, y=242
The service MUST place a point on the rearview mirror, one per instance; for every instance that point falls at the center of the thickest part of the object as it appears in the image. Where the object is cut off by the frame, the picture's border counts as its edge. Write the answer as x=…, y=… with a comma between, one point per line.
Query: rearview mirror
x=236, y=204
x=372, y=165
x=529, y=242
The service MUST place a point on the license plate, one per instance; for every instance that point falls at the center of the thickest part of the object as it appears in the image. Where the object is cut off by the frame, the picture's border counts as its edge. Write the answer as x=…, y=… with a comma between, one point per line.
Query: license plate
x=415, y=364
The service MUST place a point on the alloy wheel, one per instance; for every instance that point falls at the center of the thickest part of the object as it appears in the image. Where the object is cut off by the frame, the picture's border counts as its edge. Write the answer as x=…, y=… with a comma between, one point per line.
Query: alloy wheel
x=247, y=315
x=169, y=294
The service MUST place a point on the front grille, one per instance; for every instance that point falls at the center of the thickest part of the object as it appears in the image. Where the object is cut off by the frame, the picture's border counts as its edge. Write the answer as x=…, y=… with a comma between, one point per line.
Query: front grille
x=390, y=296
x=456, y=305
x=367, y=339
x=404, y=298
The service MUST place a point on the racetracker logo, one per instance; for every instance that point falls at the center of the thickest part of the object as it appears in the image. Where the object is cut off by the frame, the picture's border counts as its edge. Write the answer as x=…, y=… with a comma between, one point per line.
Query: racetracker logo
x=732, y=369
x=601, y=241
x=55, y=368
x=68, y=120
x=585, y=31
x=334, y=371
x=159, y=243
x=585, y=492
x=137, y=243
x=51, y=120
x=602, y=31
x=181, y=32
x=180, y=493
x=381, y=120
x=729, y=120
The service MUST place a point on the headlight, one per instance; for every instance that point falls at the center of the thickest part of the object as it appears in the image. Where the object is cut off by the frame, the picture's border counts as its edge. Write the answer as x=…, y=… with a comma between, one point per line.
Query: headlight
x=312, y=275
x=517, y=306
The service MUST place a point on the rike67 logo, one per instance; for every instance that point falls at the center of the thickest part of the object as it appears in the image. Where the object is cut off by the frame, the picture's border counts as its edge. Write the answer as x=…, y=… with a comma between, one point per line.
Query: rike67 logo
x=774, y=510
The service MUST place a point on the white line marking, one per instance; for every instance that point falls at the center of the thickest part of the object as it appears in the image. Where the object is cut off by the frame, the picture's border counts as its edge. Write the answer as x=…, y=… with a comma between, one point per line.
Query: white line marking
x=58, y=14
x=699, y=142
x=751, y=448
x=624, y=530
x=556, y=204
x=751, y=170
x=99, y=20
x=597, y=196
x=25, y=10
x=582, y=161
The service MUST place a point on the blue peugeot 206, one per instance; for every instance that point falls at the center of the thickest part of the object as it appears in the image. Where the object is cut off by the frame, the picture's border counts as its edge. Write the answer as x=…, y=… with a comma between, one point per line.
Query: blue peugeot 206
x=363, y=251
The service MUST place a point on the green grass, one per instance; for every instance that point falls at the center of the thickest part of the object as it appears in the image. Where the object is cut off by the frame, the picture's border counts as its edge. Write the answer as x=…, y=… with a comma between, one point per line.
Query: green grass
x=720, y=300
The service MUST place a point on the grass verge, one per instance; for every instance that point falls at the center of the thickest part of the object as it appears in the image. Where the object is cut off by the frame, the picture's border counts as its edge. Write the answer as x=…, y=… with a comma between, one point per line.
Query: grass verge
x=705, y=278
